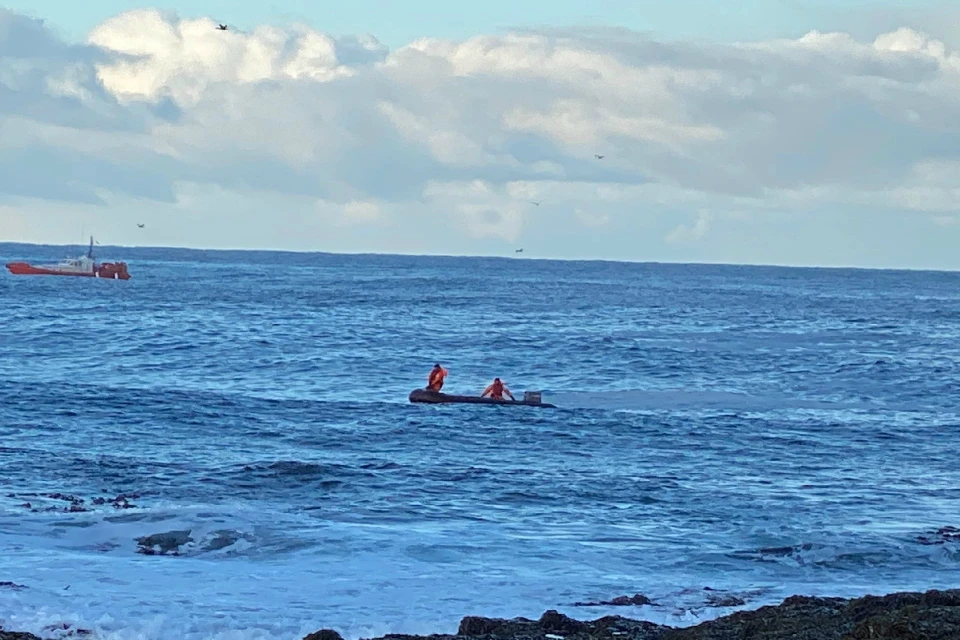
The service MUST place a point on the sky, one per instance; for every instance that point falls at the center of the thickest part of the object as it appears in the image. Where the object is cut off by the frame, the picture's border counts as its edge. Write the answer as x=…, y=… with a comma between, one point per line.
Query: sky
x=791, y=132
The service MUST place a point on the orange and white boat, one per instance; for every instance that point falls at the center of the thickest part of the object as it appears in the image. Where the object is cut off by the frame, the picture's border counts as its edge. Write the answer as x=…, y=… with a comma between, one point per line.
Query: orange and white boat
x=84, y=266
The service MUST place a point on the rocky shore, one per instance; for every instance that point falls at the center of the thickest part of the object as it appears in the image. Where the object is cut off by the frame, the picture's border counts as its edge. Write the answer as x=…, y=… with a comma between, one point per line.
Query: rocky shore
x=934, y=615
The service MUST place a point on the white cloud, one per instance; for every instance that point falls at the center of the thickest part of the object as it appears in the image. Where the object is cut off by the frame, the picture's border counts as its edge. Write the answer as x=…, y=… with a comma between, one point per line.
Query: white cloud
x=461, y=136
x=695, y=231
x=362, y=211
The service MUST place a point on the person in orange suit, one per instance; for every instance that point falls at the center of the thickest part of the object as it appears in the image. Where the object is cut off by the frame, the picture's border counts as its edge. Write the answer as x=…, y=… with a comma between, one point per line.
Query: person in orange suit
x=435, y=381
x=496, y=390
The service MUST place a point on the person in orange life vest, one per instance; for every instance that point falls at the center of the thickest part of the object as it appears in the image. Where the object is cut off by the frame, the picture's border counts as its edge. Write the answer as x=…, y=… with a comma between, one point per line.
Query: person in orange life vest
x=435, y=381
x=496, y=390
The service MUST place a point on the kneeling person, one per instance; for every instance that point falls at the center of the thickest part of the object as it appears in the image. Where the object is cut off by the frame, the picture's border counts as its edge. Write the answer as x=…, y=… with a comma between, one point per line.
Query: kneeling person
x=496, y=390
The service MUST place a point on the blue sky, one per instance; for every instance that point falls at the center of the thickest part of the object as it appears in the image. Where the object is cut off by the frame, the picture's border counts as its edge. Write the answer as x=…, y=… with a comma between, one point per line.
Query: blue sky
x=397, y=23
x=790, y=147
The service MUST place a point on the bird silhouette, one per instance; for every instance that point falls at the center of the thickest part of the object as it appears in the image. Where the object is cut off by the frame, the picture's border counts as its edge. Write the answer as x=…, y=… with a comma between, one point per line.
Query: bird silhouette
x=598, y=156
x=221, y=27
x=140, y=224
x=519, y=251
x=536, y=202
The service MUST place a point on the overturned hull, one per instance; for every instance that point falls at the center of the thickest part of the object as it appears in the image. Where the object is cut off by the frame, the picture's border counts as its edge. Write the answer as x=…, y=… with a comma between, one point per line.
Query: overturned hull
x=435, y=397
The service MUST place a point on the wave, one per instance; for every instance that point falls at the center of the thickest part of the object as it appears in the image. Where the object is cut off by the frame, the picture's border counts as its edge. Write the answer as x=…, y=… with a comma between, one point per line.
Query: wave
x=680, y=399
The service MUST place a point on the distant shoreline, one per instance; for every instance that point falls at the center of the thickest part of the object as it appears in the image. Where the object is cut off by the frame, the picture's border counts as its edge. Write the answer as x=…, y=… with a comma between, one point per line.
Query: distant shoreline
x=931, y=615
x=504, y=256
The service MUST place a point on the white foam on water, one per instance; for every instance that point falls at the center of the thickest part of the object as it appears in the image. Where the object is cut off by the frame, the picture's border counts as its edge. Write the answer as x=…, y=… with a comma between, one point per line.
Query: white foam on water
x=673, y=400
x=249, y=575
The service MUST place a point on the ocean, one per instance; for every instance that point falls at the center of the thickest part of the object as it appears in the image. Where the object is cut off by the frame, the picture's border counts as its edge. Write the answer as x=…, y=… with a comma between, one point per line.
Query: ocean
x=237, y=427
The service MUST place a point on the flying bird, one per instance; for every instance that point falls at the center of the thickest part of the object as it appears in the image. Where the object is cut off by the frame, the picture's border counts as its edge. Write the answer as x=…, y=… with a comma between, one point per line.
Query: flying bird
x=519, y=251
x=221, y=27
x=537, y=202
x=598, y=156
x=140, y=224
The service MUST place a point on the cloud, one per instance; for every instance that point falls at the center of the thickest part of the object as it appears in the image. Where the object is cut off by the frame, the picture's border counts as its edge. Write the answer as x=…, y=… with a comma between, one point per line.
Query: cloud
x=696, y=231
x=14, y=224
x=461, y=135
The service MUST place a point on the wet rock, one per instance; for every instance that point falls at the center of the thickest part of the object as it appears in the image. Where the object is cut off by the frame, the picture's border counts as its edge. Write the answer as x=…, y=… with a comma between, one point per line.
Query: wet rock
x=717, y=599
x=71, y=631
x=221, y=540
x=167, y=543
x=934, y=615
x=324, y=634
x=637, y=599
x=554, y=622
x=940, y=536
x=793, y=553
x=4, y=584
x=17, y=635
x=475, y=626
x=121, y=502
x=75, y=503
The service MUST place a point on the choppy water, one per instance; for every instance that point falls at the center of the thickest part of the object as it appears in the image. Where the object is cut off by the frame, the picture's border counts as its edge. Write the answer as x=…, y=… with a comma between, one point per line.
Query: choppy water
x=761, y=431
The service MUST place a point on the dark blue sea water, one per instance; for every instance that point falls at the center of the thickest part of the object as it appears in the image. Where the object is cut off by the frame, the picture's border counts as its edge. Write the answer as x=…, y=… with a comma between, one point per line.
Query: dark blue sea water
x=758, y=431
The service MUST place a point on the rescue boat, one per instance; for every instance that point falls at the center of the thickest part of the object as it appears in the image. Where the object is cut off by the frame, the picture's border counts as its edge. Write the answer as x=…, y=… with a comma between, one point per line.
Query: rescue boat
x=84, y=266
x=530, y=399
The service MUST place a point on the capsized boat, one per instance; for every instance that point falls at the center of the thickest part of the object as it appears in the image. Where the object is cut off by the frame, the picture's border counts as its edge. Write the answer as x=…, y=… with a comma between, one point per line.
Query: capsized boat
x=84, y=266
x=530, y=399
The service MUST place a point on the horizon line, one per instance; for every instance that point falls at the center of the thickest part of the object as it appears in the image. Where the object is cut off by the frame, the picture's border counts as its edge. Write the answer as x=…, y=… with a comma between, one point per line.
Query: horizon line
x=499, y=257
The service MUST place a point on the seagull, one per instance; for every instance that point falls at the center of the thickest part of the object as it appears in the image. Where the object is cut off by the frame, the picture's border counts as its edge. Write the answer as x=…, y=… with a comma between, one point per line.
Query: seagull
x=140, y=224
x=519, y=251
x=221, y=27
x=598, y=156
x=537, y=203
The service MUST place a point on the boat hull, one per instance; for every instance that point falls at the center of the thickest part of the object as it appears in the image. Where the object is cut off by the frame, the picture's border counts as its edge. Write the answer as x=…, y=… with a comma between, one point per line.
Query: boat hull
x=434, y=397
x=110, y=271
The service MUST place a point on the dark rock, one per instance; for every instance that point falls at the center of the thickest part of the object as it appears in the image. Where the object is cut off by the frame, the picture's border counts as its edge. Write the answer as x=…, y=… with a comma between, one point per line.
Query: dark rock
x=940, y=536
x=324, y=634
x=221, y=540
x=934, y=615
x=11, y=585
x=477, y=626
x=168, y=543
x=554, y=622
x=725, y=600
x=17, y=635
x=71, y=631
x=121, y=502
x=77, y=504
x=637, y=599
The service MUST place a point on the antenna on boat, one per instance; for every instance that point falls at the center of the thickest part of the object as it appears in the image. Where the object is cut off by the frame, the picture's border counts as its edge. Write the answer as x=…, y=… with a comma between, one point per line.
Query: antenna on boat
x=90, y=252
